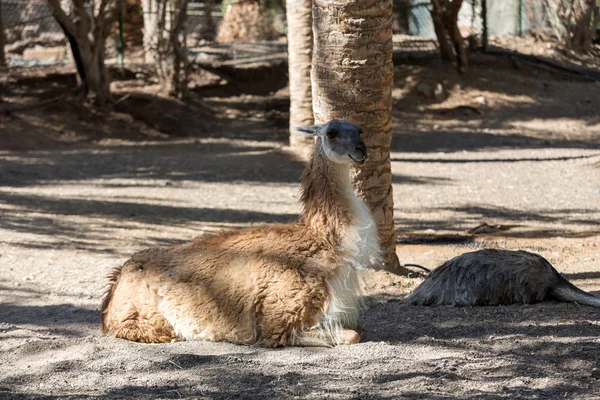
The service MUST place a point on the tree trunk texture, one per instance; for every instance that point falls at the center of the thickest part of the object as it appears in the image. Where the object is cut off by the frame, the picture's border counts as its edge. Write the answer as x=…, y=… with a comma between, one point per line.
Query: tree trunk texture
x=150, y=11
x=245, y=20
x=170, y=58
x=179, y=65
x=300, y=43
x=586, y=15
x=91, y=56
x=86, y=31
x=444, y=14
x=352, y=78
x=2, y=42
x=208, y=28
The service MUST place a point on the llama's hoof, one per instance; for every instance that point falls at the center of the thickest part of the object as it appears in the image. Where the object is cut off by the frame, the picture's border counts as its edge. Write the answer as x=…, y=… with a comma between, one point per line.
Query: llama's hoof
x=350, y=337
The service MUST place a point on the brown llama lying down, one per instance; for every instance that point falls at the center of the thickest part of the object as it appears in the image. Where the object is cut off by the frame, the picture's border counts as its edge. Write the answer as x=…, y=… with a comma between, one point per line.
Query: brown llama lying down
x=276, y=285
x=496, y=277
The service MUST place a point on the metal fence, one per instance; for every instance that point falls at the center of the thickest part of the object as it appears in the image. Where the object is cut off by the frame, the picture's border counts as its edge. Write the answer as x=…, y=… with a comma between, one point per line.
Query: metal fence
x=516, y=26
x=504, y=17
x=33, y=38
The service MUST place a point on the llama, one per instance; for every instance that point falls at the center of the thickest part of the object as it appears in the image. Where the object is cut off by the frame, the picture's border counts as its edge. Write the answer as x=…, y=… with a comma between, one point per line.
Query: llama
x=275, y=285
x=497, y=277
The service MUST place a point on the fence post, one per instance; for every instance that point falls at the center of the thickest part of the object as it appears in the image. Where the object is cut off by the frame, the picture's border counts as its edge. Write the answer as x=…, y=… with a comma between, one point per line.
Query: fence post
x=484, y=22
x=520, y=18
x=121, y=44
x=2, y=41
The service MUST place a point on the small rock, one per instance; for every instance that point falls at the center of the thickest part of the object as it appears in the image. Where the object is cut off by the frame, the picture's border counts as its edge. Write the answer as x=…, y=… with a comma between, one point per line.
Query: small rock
x=517, y=64
x=438, y=92
x=425, y=89
x=480, y=100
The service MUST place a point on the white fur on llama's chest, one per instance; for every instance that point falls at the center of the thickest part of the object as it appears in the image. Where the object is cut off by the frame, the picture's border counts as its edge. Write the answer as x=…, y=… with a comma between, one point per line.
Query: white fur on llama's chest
x=360, y=241
x=360, y=245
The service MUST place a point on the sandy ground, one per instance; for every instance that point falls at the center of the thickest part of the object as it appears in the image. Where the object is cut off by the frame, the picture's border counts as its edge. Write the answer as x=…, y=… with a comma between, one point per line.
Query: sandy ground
x=526, y=162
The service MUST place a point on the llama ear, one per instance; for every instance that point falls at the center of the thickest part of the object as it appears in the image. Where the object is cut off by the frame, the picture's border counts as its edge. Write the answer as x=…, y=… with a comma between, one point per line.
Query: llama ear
x=312, y=130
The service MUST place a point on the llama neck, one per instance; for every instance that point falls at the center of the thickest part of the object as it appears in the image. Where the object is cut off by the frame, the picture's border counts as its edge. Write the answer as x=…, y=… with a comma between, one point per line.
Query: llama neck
x=325, y=198
x=333, y=212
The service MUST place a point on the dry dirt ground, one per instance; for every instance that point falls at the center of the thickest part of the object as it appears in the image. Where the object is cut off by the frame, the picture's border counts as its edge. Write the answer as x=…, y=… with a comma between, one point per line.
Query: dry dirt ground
x=81, y=190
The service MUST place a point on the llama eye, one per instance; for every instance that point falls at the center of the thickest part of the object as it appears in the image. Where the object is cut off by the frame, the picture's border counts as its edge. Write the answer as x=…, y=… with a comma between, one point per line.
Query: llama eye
x=332, y=134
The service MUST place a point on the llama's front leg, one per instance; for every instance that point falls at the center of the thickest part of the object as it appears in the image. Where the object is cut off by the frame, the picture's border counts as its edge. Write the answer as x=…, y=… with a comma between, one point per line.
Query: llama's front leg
x=350, y=337
x=321, y=337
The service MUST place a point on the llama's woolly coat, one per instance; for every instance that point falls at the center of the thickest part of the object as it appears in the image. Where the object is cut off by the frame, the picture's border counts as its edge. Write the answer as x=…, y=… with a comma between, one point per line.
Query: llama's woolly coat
x=277, y=285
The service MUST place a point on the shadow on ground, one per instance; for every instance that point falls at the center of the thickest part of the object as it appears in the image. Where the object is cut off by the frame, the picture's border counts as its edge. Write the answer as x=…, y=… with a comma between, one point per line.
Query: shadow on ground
x=201, y=162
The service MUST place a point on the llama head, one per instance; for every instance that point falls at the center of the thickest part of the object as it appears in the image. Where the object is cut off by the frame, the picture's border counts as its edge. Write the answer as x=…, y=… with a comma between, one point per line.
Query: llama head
x=340, y=141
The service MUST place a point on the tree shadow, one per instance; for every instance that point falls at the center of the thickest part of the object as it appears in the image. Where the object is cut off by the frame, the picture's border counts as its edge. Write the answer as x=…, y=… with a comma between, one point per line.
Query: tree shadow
x=167, y=115
x=419, y=180
x=437, y=160
x=471, y=138
x=447, y=323
x=471, y=216
x=50, y=317
x=522, y=99
x=172, y=162
x=218, y=378
x=141, y=212
x=139, y=114
x=41, y=215
x=537, y=341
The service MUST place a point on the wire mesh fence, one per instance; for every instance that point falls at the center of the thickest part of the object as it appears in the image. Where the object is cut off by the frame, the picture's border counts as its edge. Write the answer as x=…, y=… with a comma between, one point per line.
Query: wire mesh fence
x=504, y=17
x=33, y=38
x=507, y=23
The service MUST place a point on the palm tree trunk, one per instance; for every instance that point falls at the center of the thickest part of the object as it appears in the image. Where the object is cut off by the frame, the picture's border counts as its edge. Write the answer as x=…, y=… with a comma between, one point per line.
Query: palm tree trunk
x=352, y=78
x=300, y=43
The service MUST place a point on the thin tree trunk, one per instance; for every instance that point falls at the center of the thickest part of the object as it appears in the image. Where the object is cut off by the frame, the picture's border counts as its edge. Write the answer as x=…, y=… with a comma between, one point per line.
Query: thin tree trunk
x=437, y=16
x=455, y=36
x=150, y=11
x=2, y=41
x=179, y=66
x=576, y=21
x=444, y=14
x=586, y=15
x=208, y=29
x=170, y=58
x=300, y=43
x=352, y=78
x=86, y=31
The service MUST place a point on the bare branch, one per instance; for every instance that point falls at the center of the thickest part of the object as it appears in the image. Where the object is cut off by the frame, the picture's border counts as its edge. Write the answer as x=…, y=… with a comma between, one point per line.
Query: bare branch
x=63, y=20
